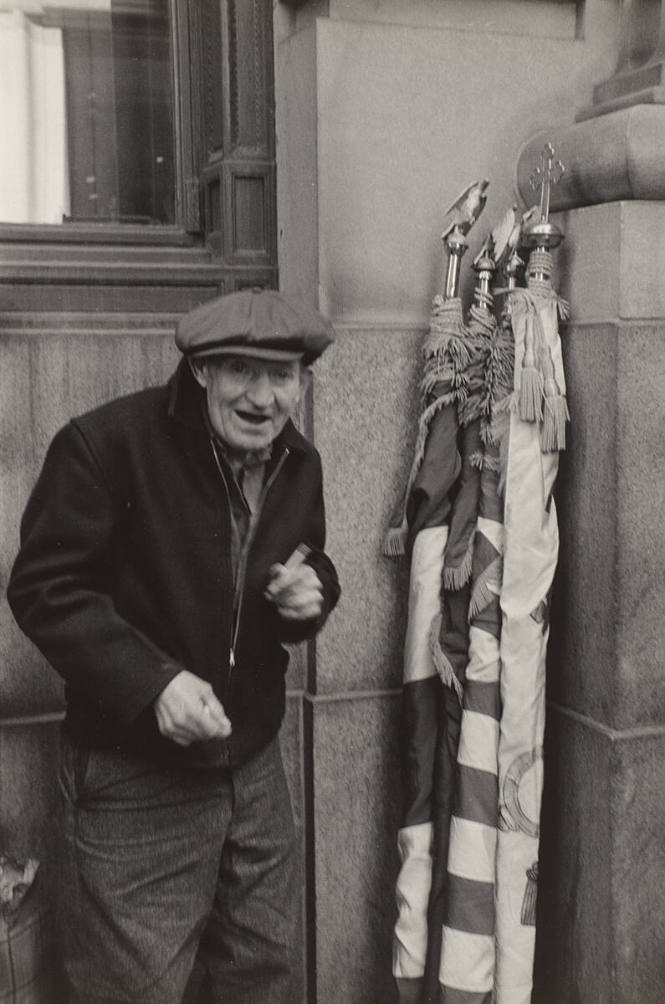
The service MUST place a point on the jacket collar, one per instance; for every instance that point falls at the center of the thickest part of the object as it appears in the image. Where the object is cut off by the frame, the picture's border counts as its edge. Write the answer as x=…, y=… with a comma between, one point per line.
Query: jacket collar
x=186, y=406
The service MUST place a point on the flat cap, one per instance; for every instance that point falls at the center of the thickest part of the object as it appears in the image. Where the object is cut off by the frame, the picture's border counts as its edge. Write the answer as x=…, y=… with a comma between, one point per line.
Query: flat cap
x=254, y=322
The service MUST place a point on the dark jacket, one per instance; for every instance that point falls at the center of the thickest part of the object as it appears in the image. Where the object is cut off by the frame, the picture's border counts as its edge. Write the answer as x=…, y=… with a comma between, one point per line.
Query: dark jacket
x=124, y=573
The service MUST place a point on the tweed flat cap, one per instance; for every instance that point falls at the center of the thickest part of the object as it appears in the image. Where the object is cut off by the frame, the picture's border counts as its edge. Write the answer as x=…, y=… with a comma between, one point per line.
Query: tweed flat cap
x=254, y=322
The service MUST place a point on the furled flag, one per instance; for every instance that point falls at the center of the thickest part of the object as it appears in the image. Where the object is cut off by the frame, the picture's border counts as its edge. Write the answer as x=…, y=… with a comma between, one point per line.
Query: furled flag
x=536, y=434
x=449, y=632
x=431, y=688
x=482, y=564
x=466, y=970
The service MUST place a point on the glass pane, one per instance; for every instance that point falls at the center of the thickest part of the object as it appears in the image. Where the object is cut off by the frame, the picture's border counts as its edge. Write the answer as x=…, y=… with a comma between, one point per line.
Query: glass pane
x=87, y=112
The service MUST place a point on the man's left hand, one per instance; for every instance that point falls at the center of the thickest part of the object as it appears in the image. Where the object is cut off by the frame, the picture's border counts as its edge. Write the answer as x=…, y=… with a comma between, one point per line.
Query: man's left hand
x=296, y=592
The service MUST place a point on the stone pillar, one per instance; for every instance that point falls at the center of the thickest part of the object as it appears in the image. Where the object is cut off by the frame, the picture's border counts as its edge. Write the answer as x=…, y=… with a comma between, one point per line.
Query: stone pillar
x=601, y=926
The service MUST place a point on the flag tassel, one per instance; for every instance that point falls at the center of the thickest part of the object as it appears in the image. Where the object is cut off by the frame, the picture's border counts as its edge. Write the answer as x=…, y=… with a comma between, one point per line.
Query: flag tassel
x=531, y=393
x=531, y=380
x=553, y=435
x=553, y=432
x=528, y=914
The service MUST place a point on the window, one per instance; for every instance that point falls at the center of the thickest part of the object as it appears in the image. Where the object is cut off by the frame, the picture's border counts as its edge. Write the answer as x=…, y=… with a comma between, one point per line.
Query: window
x=137, y=123
x=87, y=95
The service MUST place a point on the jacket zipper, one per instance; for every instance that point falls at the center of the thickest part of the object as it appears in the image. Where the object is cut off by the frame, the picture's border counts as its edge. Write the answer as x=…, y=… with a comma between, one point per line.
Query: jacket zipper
x=244, y=555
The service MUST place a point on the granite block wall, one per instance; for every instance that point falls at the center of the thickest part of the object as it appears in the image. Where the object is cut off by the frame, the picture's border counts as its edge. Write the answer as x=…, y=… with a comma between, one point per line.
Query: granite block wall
x=366, y=403
x=355, y=815
x=602, y=898
x=365, y=409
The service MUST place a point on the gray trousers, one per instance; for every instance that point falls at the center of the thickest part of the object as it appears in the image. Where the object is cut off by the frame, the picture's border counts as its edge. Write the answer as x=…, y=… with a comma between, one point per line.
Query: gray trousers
x=170, y=872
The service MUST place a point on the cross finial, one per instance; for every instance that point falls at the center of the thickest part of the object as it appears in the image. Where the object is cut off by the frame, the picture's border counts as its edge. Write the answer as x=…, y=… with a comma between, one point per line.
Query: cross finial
x=549, y=172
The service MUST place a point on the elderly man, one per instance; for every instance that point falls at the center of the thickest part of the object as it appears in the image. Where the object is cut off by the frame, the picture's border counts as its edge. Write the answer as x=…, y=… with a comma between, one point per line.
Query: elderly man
x=171, y=546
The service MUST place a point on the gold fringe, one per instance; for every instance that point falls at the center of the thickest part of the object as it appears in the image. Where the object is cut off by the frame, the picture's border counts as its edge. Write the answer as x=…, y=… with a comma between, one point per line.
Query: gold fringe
x=485, y=461
x=421, y=439
x=499, y=377
x=481, y=593
x=432, y=379
x=457, y=576
x=470, y=409
x=441, y=662
x=394, y=544
x=395, y=541
x=446, y=346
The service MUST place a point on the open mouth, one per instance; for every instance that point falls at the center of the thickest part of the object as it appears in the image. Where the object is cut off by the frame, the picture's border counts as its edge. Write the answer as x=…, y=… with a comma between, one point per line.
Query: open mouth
x=252, y=418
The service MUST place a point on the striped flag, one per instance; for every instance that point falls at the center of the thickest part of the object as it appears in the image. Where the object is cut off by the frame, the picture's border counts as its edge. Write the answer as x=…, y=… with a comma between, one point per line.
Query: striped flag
x=466, y=971
x=430, y=707
x=483, y=557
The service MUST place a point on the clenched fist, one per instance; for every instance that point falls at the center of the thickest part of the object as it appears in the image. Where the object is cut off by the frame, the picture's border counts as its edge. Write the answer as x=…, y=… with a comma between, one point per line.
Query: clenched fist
x=188, y=711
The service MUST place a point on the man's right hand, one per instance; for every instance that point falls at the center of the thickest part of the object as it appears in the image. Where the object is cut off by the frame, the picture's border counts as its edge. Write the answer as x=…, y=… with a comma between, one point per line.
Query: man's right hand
x=188, y=711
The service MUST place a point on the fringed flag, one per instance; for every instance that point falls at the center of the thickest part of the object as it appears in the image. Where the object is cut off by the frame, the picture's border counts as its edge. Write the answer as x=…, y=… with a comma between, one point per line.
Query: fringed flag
x=466, y=972
x=432, y=679
x=477, y=630
x=421, y=528
x=449, y=642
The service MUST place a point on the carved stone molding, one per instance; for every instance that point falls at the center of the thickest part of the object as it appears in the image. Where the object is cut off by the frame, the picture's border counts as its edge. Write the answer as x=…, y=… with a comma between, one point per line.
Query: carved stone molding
x=640, y=73
x=616, y=156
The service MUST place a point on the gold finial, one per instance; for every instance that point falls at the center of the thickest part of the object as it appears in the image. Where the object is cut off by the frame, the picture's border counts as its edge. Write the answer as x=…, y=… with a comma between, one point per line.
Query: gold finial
x=456, y=246
x=541, y=233
x=484, y=266
x=459, y=219
x=549, y=172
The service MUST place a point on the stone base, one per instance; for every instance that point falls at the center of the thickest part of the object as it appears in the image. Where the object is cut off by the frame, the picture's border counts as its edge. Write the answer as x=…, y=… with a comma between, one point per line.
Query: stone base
x=601, y=923
x=356, y=796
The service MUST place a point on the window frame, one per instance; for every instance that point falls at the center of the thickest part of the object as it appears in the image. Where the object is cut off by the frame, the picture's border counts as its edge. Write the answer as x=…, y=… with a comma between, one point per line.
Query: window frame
x=62, y=258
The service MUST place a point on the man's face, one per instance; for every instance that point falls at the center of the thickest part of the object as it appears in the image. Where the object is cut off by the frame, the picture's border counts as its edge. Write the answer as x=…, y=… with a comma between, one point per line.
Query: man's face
x=249, y=400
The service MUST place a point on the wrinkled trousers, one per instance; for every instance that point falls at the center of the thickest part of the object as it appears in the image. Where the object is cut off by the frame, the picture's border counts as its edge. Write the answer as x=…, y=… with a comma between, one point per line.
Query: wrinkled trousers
x=176, y=884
